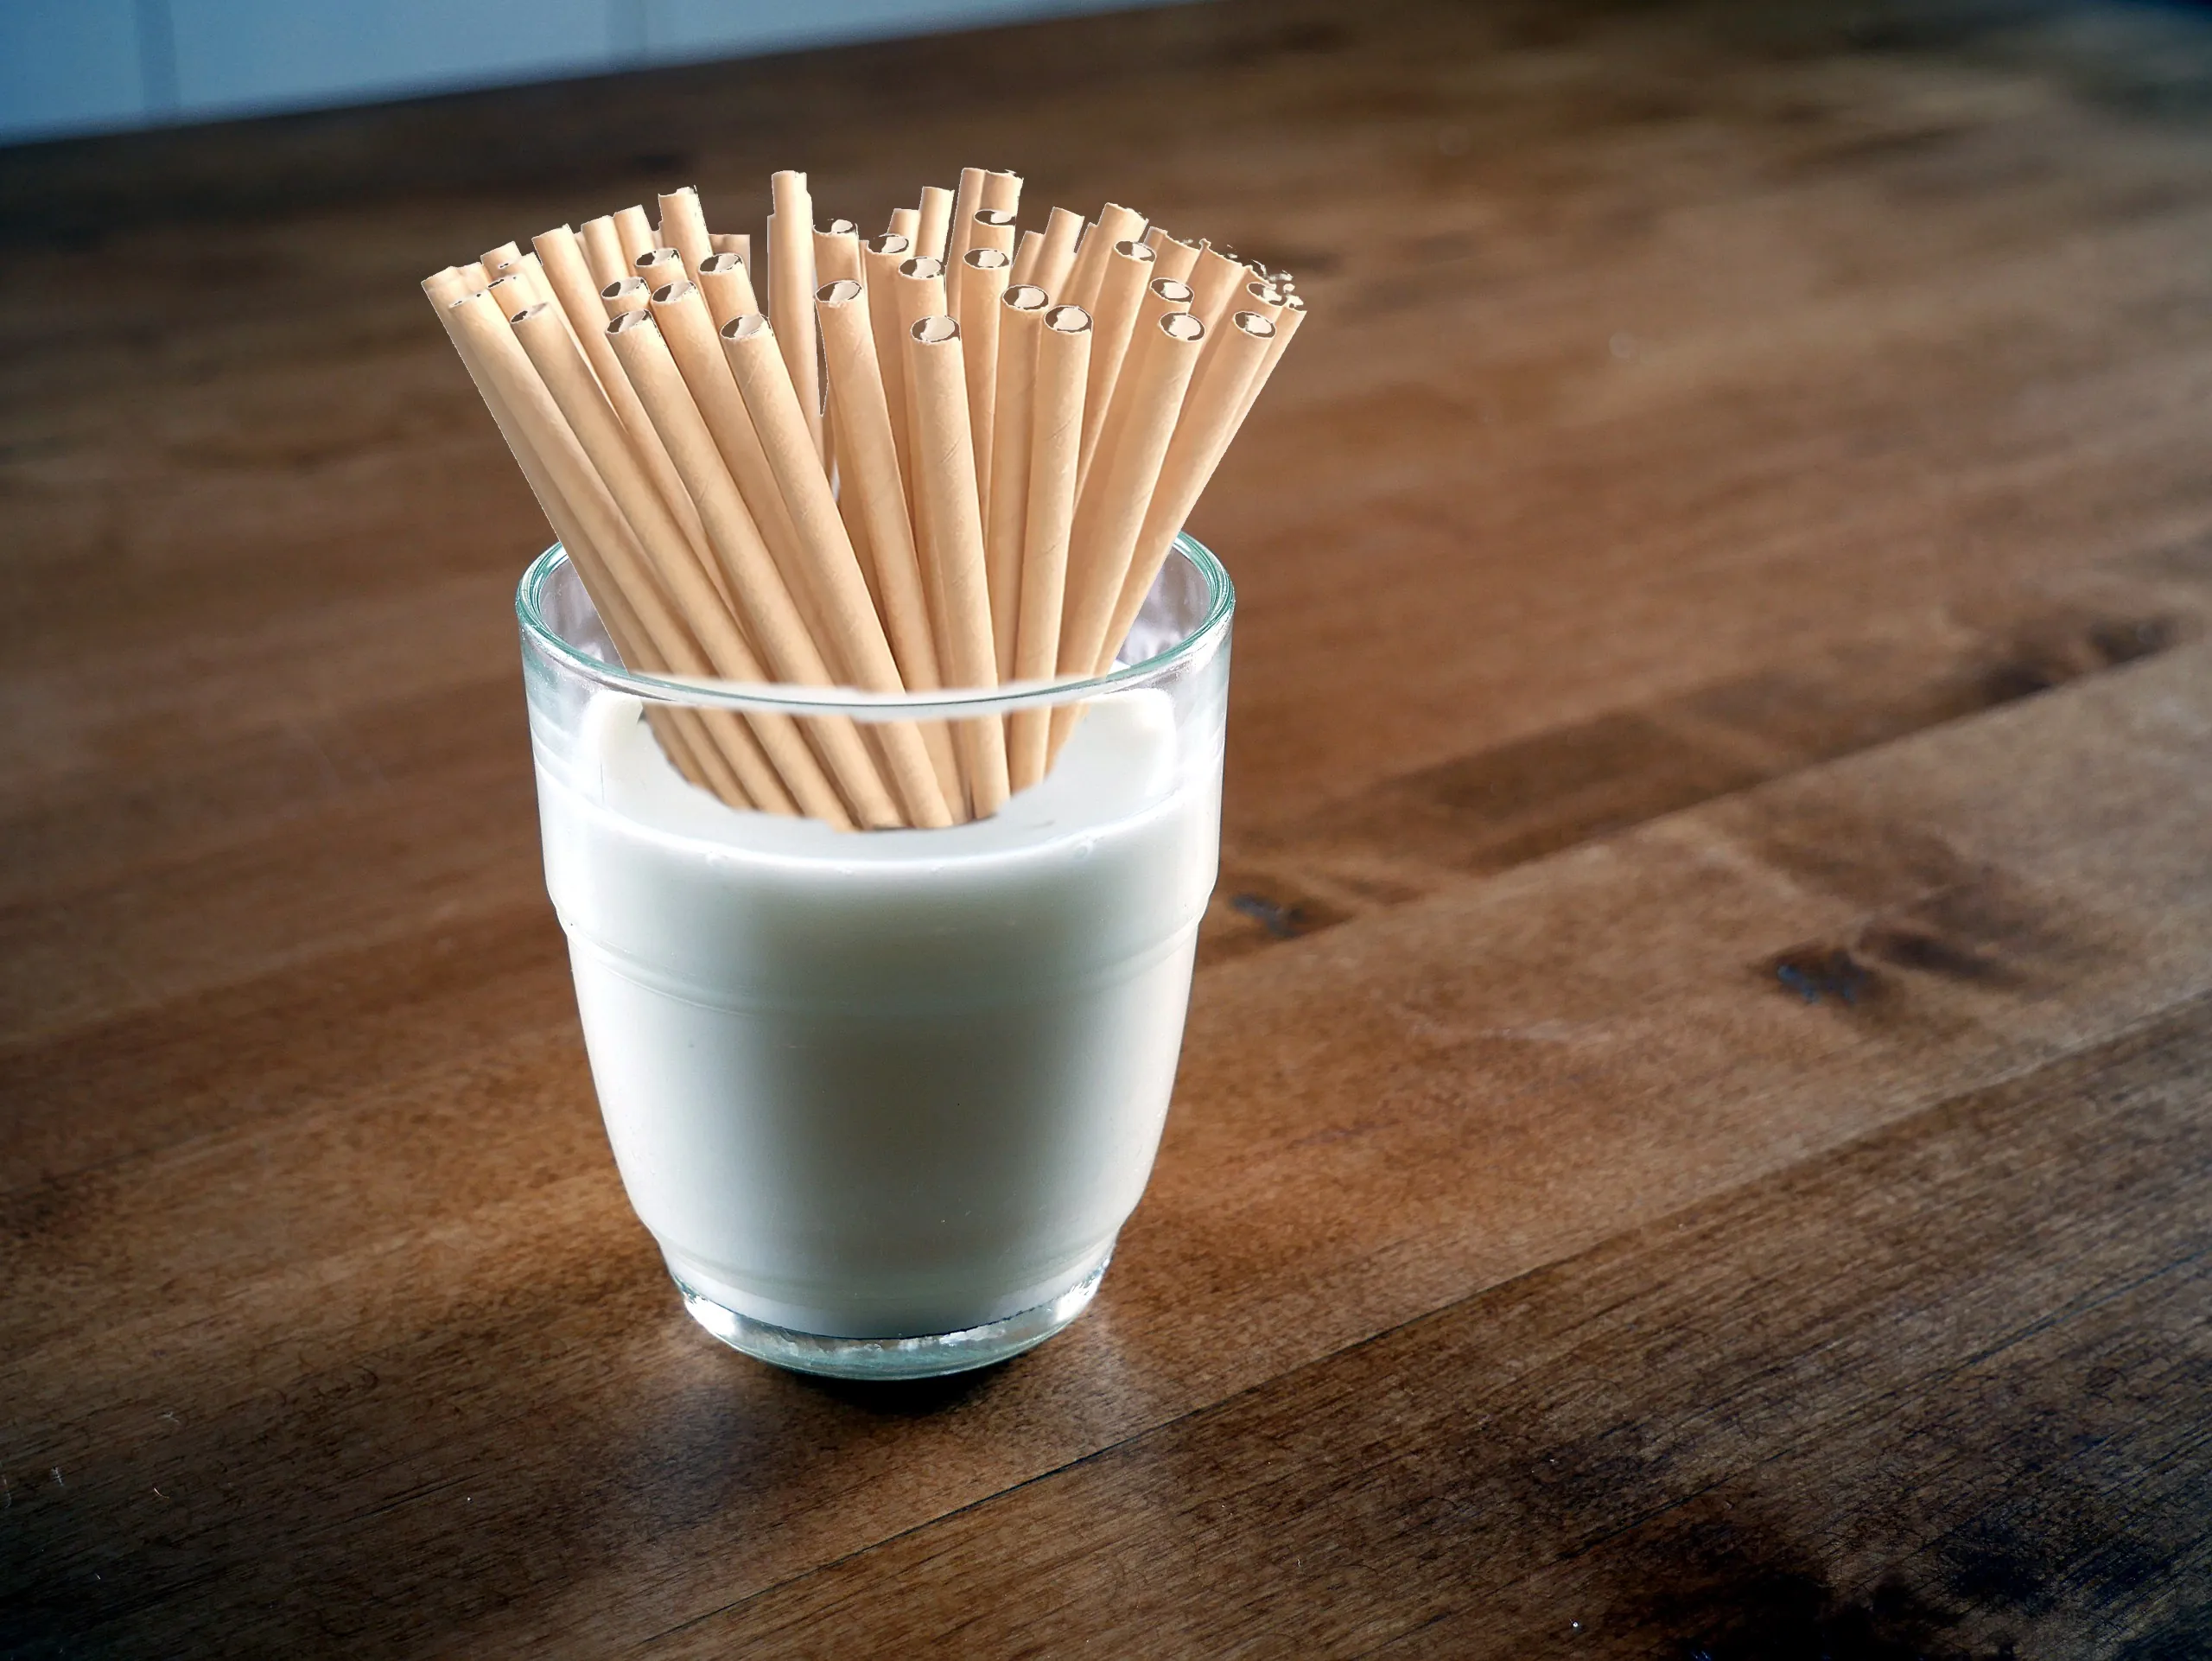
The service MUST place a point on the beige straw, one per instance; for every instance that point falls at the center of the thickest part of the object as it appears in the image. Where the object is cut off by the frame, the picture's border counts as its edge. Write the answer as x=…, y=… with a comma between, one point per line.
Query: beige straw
x=1212, y=413
x=771, y=618
x=1021, y=316
x=1287, y=325
x=1217, y=278
x=737, y=243
x=1062, y=232
x=858, y=645
x=592, y=419
x=1002, y=191
x=1120, y=290
x=1056, y=438
x=1173, y=259
x=981, y=285
x=607, y=534
x=692, y=341
x=936, y=220
x=791, y=297
x=728, y=288
x=603, y=251
x=1262, y=297
x=660, y=268
x=635, y=234
x=905, y=222
x=1025, y=257
x=837, y=254
x=685, y=742
x=879, y=262
x=874, y=494
x=562, y=260
x=1110, y=510
x=1116, y=225
x=918, y=291
x=683, y=228
x=505, y=253
x=993, y=229
x=953, y=538
x=960, y=232
x=472, y=278
x=630, y=294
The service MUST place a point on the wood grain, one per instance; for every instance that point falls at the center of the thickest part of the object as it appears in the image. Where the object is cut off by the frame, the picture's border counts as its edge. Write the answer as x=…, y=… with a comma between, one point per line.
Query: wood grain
x=1691, y=1121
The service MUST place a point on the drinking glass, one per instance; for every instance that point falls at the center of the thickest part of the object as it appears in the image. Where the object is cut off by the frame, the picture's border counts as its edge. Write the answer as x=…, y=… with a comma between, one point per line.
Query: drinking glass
x=884, y=1098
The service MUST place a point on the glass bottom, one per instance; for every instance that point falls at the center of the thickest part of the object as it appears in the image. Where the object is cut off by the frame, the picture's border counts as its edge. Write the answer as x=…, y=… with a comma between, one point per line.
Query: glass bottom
x=927, y=1356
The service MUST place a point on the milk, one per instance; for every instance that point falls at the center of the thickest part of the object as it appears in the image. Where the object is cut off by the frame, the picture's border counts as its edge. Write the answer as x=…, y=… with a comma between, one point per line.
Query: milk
x=885, y=1084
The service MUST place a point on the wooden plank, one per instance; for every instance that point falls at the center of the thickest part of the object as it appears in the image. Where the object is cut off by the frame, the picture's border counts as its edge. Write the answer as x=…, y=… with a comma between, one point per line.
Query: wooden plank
x=1914, y=1398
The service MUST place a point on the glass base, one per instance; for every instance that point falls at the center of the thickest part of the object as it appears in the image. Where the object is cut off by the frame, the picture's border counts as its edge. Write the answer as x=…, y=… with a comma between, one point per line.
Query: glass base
x=927, y=1356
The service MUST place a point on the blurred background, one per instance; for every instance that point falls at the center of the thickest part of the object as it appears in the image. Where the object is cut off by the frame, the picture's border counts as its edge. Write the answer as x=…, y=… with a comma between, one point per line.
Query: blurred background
x=73, y=66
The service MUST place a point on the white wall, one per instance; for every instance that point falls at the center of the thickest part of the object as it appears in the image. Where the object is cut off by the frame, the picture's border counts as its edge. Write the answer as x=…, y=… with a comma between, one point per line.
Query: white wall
x=99, y=66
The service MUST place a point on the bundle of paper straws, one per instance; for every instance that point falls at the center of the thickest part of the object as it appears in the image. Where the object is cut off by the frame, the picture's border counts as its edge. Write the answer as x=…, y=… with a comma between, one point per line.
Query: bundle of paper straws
x=940, y=460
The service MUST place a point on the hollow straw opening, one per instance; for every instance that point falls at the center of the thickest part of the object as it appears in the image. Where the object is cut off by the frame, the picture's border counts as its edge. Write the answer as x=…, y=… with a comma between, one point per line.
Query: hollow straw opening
x=788, y=699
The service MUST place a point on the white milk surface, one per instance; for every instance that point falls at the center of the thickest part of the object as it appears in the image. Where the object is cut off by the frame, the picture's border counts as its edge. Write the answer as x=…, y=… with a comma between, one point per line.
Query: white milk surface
x=892, y=1083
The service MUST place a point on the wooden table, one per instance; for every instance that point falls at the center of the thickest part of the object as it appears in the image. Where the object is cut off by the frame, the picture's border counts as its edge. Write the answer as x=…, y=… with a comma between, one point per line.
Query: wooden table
x=1694, y=1130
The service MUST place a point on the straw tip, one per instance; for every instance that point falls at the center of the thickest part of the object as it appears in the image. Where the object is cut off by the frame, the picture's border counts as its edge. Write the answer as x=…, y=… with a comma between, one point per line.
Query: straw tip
x=842, y=292
x=935, y=331
x=751, y=326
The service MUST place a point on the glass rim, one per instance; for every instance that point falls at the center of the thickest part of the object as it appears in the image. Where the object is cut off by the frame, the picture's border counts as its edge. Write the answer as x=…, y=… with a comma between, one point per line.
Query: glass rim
x=785, y=699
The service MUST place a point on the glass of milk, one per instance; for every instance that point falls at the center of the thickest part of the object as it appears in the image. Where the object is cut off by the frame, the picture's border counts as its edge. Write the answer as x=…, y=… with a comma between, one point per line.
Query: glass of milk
x=885, y=1098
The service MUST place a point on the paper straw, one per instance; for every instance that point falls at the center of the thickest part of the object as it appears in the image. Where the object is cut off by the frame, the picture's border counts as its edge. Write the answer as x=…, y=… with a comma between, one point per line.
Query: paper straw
x=1121, y=288
x=728, y=288
x=1026, y=257
x=1005, y=504
x=692, y=341
x=630, y=294
x=918, y=291
x=879, y=262
x=1055, y=438
x=603, y=251
x=562, y=259
x=905, y=222
x=1287, y=322
x=873, y=492
x=684, y=739
x=737, y=243
x=472, y=278
x=791, y=297
x=929, y=235
x=683, y=228
x=660, y=268
x=993, y=229
x=1217, y=278
x=1116, y=225
x=1110, y=508
x=837, y=254
x=1002, y=191
x=771, y=619
x=592, y=419
x=856, y=640
x=850, y=338
x=1173, y=258
x=1212, y=411
x=607, y=535
x=634, y=231
x=981, y=285
x=1062, y=230
x=960, y=231
x=1262, y=297
x=953, y=538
